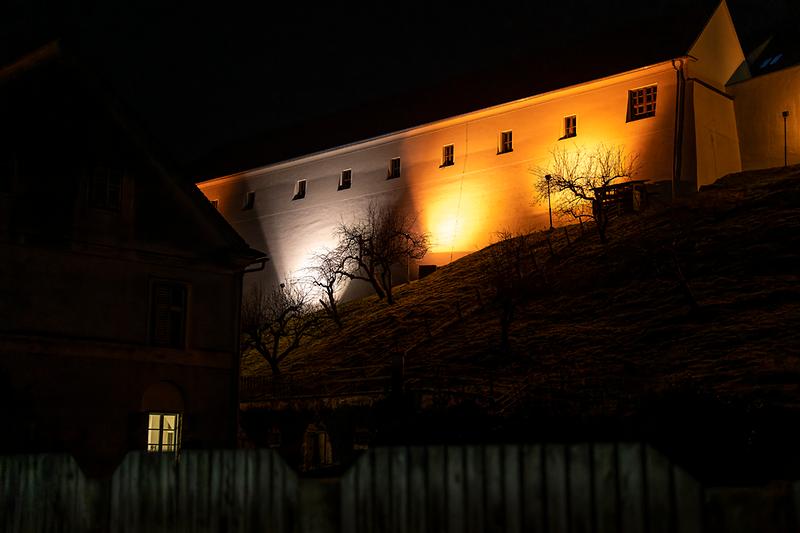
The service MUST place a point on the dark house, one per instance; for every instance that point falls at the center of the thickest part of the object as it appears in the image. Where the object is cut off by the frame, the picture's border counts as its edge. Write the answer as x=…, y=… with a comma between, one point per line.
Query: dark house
x=120, y=285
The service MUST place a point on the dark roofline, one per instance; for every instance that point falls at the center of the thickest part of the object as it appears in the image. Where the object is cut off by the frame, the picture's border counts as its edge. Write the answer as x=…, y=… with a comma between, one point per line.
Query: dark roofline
x=550, y=67
x=54, y=51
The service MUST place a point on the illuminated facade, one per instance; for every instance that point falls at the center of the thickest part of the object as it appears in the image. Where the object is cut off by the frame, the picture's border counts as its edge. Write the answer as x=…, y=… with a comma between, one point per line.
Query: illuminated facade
x=471, y=175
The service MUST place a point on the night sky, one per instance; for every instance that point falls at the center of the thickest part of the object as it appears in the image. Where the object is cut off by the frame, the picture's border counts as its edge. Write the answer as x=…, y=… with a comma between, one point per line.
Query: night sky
x=201, y=80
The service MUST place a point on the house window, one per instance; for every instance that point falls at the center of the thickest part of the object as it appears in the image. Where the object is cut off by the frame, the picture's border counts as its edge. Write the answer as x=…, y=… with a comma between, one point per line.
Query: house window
x=506, y=144
x=642, y=103
x=249, y=200
x=105, y=190
x=394, y=168
x=168, y=320
x=447, y=155
x=299, y=190
x=215, y=204
x=345, y=179
x=164, y=432
x=570, y=126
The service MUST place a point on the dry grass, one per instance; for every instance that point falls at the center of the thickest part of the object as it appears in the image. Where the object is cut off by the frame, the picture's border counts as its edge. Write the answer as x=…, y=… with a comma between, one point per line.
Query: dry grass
x=598, y=331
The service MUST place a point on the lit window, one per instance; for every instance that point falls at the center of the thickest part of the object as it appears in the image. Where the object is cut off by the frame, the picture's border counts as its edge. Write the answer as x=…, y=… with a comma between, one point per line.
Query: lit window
x=299, y=190
x=345, y=179
x=394, y=168
x=447, y=155
x=642, y=103
x=570, y=126
x=105, y=191
x=164, y=432
x=506, y=144
x=249, y=200
x=215, y=204
x=168, y=320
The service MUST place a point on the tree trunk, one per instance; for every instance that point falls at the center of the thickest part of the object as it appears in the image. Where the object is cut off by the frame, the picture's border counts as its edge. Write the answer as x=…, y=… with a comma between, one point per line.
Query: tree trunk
x=273, y=365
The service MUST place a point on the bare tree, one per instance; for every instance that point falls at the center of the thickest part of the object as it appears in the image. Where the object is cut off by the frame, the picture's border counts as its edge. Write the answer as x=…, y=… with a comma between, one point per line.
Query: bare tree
x=369, y=247
x=511, y=261
x=579, y=179
x=327, y=274
x=275, y=320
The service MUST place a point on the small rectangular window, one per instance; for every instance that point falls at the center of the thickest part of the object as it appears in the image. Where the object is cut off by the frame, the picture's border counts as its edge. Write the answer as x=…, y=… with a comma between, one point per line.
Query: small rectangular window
x=163, y=432
x=299, y=190
x=105, y=190
x=215, y=204
x=249, y=200
x=642, y=103
x=570, y=127
x=168, y=315
x=345, y=179
x=506, y=144
x=447, y=155
x=394, y=168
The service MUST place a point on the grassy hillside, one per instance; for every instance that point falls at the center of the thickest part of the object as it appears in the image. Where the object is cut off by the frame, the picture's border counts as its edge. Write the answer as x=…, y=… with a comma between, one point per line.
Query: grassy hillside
x=688, y=321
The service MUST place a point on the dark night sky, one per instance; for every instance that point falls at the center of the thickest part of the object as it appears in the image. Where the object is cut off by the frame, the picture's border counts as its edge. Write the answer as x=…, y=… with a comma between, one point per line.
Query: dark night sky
x=199, y=79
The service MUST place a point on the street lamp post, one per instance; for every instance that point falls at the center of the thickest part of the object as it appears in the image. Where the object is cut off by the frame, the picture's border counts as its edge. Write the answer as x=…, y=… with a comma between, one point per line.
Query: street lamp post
x=547, y=178
x=785, y=148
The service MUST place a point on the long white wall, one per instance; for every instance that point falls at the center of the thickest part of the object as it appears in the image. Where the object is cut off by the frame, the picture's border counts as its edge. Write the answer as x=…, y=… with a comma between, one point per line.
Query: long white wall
x=462, y=205
x=760, y=103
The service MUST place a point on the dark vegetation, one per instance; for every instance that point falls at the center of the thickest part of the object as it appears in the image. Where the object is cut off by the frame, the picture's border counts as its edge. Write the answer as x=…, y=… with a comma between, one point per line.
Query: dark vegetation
x=683, y=329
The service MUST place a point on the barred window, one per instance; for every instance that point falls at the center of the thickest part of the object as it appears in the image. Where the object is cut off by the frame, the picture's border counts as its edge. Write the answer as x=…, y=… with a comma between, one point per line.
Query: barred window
x=163, y=432
x=506, y=144
x=299, y=190
x=345, y=179
x=447, y=155
x=168, y=320
x=642, y=103
x=570, y=126
x=394, y=168
x=105, y=189
x=249, y=200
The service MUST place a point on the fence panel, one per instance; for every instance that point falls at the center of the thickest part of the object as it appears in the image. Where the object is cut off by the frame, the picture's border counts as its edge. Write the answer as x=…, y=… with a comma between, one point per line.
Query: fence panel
x=222, y=490
x=603, y=487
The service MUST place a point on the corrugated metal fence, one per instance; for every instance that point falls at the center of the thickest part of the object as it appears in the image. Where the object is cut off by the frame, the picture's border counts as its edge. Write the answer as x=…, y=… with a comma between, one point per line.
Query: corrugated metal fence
x=227, y=490
x=571, y=488
x=575, y=488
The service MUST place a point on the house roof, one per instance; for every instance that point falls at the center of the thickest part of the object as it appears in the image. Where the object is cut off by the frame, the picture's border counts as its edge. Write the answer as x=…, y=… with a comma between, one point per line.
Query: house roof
x=562, y=45
x=53, y=52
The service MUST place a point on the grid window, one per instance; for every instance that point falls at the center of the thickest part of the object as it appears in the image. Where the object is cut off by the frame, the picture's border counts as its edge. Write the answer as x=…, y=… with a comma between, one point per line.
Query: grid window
x=642, y=103
x=570, y=126
x=506, y=144
x=346, y=179
x=168, y=322
x=105, y=190
x=299, y=190
x=447, y=155
x=394, y=168
x=163, y=432
x=249, y=200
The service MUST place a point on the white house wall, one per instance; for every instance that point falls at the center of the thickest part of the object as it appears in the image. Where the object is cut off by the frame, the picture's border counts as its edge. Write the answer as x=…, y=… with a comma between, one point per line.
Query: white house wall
x=716, y=138
x=760, y=103
x=716, y=54
x=463, y=205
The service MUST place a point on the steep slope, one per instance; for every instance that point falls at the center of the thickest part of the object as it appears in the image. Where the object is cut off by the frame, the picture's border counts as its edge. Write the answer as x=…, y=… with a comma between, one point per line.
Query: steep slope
x=688, y=321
